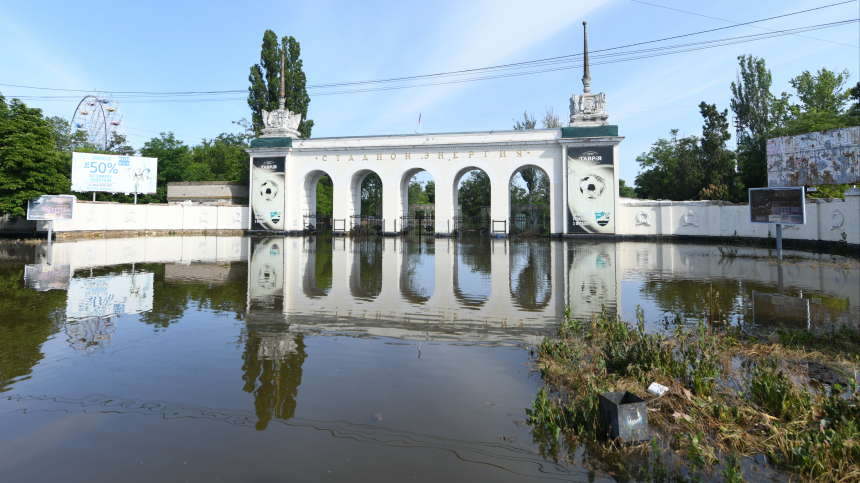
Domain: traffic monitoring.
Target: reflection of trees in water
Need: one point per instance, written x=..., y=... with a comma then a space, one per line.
x=414, y=279
x=531, y=274
x=473, y=257
x=689, y=298
x=29, y=319
x=272, y=371
x=319, y=266
x=366, y=279
x=170, y=300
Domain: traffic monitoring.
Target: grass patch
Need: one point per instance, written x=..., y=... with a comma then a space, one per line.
x=731, y=395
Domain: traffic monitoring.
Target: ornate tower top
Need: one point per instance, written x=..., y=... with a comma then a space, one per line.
x=283, y=122
x=587, y=109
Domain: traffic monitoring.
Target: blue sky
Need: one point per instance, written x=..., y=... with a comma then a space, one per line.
x=178, y=46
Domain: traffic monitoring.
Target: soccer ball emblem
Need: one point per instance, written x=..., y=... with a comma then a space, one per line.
x=269, y=190
x=592, y=186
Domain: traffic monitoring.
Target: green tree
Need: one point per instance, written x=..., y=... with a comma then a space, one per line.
x=550, y=119
x=430, y=190
x=717, y=161
x=474, y=193
x=224, y=156
x=265, y=82
x=371, y=195
x=61, y=133
x=671, y=169
x=529, y=122
x=174, y=159
x=29, y=163
x=416, y=193
x=325, y=194
x=823, y=92
x=757, y=111
x=625, y=191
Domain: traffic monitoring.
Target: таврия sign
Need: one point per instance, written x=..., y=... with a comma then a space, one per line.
x=785, y=206
x=114, y=174
x=51, y=207
x=590, y=190
x=268, y=193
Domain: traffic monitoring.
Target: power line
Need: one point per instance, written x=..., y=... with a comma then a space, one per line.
x=550, y=66
x=532, y=63
x=732, y=21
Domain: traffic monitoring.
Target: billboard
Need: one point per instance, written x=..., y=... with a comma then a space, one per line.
x=51, y=207
x=267, y=193
x=129, y=293
x=590, y=190
x=816, y=158
x=47, y=277
x=785, y=206
x=114, y=174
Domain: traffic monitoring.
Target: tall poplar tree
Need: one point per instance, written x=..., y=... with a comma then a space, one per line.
x=265, y=82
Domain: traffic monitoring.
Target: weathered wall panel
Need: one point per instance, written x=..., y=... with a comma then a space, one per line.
x=816, y=158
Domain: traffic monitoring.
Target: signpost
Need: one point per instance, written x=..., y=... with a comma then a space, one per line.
x=49, y=208
x=779, y=206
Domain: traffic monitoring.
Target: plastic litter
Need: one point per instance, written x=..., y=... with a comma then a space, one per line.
x=657, y=389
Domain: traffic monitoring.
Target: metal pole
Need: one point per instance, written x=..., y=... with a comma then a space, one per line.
x=50, y=235
x=135, y=198
x=94, y=195
x=779, y=241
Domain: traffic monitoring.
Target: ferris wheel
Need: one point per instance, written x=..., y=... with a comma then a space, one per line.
x=98, y=117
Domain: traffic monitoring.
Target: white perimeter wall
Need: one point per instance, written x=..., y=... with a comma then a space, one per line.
x=826, y=220
x=90, y=216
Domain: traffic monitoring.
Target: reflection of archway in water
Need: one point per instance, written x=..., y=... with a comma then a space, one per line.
x=272, y=370
x=317, y=279
x=531, y=274
x=365, y=281
x=418, y=273
x=473, y=282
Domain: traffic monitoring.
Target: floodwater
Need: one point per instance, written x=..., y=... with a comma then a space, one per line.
x=317, y=359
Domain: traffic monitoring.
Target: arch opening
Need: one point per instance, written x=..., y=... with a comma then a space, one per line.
x=529, y=197
x=366, y=203
x=417, y=202
x=318, y=202
x=472, y=200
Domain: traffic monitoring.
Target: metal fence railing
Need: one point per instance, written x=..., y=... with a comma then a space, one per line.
x=522, y=225
x=418, y=225
x=366, y=225
x=316, y=223
x=471, y=226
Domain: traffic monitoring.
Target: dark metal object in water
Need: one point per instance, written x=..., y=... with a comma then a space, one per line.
x=625, y=416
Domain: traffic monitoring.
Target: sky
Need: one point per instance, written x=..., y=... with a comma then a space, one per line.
x=160, y=46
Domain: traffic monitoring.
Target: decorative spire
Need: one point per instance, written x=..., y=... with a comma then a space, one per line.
x=586, y=77
x=281, y=98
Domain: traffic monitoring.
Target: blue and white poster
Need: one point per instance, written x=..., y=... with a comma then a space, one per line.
x=113, y=174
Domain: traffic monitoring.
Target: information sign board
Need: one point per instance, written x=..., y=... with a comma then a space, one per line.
x=51, y=207
x=785, y=206
x=113, y=174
